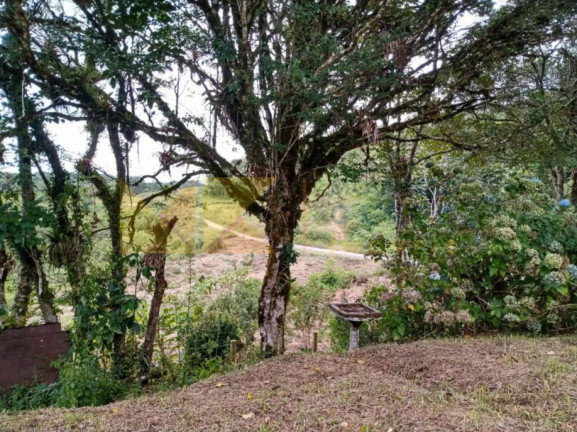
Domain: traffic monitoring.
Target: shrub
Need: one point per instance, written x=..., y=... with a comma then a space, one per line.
x=499, y=259
x=241, y=305
x=83, y=381
x=308, y=308
x=21, y=398
x=318, y=234
x=208, y=343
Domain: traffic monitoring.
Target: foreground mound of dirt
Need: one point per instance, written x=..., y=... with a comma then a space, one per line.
x=499, y=384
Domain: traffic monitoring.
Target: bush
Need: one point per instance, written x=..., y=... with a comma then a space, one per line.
x=22, y=398
x=209, y=343
x=83, y=381
x=319, y=235
x=499, y=259
x=241, y=305
x=308, y=308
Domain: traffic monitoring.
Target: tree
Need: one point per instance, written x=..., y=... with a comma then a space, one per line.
x=28, y=246
x=155, y=259
x=295, y=84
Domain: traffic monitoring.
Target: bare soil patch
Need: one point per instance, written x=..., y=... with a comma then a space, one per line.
x=497, y=384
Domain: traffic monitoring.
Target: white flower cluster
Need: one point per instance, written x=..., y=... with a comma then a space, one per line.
x=515, y=246
x=510, y=301
x=511, y=318
x=505, y=234
x=467, y=285
x=552, y=318
x=526, y=229
x=458, y=292
x=504, y=221
x=435, y=314
x=528, y=303
x=553, y=261
x=448, y=318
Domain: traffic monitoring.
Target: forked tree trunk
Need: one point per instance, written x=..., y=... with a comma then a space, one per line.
x=276, y=286
x=32, y=275
x=45, y=294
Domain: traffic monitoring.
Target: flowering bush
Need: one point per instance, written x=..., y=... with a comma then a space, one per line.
x=508, y=263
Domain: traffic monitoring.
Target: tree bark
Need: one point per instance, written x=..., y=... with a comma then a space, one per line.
x=156, y=258
x=574, y=187
x=436, y=202
x=32, y=275
x=31, y=272
x=6, y=265
x=276, y=286
x=45, y=295
x=558, y=177
x=22, y=297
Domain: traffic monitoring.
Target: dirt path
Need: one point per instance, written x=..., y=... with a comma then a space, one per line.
x=300, y=248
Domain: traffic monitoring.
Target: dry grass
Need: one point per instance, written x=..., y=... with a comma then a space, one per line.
x=500, y=384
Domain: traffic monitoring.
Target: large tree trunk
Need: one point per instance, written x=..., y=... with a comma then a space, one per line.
x=558, y=177
x=6, y=266
x=31, y=272
x=22, y=297
x=276, y=286
x=45, y=295
x=156, y=258
x=32, y=275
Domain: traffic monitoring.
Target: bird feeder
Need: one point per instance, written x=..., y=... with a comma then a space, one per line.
x=355, y=314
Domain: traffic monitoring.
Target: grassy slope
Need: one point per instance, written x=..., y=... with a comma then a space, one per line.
x=499, y=384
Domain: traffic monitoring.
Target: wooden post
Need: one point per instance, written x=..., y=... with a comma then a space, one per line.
x=315, y=341
x=233, y=350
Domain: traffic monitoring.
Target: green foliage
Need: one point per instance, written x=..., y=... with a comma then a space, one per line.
x=22, y=398
x=499, y=258
x=101, y=314
x=319, y=235
x=83, y=381
x=208, y=344
x=308, y=308
x=240, y=303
